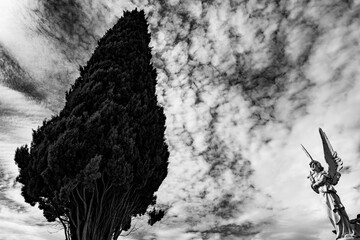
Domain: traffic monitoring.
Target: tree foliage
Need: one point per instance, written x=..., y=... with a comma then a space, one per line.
x=99, y=161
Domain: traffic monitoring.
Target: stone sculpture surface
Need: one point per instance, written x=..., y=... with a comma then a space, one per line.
x=323, y=182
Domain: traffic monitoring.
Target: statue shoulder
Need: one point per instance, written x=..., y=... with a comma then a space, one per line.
x=326, y=175
x=323, y=175
x=319, y=174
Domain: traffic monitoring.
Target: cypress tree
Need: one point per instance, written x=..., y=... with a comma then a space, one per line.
x=99, y=162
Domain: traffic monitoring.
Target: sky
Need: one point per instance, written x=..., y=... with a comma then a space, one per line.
x=242, y=83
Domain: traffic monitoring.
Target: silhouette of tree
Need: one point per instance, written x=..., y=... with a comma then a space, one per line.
x=98, y=162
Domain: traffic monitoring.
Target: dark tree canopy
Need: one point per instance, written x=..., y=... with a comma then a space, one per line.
x=100, y=160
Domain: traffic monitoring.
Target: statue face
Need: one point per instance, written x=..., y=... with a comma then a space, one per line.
x=315, y=166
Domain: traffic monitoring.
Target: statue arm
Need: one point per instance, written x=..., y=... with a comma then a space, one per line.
x=320, y=182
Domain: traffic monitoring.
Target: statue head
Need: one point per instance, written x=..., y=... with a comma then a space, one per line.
x=316, y=166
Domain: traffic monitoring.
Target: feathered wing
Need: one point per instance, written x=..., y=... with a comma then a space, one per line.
x=334, y=162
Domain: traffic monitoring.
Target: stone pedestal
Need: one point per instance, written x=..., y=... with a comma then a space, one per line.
x=347, y=238
x=356, y=228
x=355, y=224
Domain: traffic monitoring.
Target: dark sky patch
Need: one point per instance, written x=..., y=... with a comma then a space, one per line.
x=346, y=169
x=227, y=207
x=13, y=76
x=230, y=231
x=73, y=26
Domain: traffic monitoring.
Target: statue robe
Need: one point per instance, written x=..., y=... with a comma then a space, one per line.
x=335, y=209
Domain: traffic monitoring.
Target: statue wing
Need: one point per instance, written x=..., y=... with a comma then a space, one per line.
x=334, y=162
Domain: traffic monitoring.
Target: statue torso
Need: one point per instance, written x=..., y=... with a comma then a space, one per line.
x=325, y=187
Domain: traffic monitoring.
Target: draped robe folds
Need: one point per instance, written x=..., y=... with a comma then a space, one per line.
x=335, y=209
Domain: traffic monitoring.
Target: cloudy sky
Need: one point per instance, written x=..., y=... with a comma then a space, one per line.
x=243, y=84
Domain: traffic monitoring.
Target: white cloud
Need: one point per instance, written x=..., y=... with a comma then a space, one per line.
x=25, y=223
x=310, y=94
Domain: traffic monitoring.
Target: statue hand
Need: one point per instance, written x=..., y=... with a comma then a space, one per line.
x=315, y=188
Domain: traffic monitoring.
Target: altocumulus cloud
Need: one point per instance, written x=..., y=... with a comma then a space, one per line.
x=243, y=83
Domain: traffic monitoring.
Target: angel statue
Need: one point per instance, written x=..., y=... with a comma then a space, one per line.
x=323, y=183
